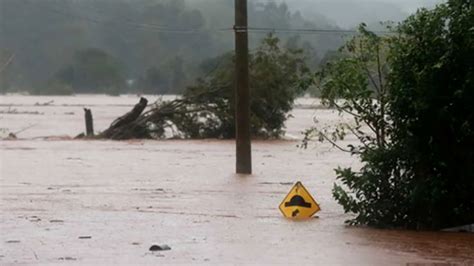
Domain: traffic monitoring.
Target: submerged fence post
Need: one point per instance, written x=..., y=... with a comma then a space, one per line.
x=89, y=122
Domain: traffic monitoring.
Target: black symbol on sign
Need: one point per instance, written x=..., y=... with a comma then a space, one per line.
x=295, y=213
x=297, y=200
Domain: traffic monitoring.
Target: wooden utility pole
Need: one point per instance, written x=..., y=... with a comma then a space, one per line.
x=242, y=91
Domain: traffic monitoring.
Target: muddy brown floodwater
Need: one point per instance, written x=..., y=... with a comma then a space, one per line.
x=105, y=202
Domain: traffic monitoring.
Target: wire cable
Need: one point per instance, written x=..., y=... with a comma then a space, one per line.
x=167, y=29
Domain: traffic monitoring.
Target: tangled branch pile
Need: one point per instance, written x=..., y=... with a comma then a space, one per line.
x=181, y=116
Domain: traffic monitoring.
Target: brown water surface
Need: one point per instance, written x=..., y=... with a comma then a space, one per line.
x=107, y=202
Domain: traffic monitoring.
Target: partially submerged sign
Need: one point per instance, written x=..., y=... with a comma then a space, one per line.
x=299, y=203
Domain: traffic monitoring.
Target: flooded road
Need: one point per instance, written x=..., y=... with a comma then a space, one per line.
x=106, y=202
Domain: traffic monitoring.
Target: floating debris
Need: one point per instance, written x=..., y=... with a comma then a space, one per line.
x=67, y=258
x=160, y=248
x=45, y=103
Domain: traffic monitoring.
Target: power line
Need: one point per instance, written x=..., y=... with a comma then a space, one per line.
x=168, y=29
x=142, y=26
x=309, y=31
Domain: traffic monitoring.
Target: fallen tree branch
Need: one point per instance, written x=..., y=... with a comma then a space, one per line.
x=124, y=126
x=182, y=114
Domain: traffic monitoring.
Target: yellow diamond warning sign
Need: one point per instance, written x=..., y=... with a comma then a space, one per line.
x=299, y=203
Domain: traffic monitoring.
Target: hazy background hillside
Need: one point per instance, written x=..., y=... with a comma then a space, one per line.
x=156, y=46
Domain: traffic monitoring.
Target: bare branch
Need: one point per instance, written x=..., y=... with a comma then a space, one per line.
x=333, y=143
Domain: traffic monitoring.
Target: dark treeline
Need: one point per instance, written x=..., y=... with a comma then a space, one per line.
x=143, y=46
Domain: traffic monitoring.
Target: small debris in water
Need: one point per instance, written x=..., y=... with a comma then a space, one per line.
x=34, y=219
x=160, y=248
x=135, y=243
x=85, y=237
x=274, y=183
x=67, y=258
x=56, y=221
x=13, y=241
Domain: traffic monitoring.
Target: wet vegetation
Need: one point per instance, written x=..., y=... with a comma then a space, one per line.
x=206, y=110
x=414, y=92
x=139, y=46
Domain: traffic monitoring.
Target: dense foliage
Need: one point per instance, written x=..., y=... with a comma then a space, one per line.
x=418, y=163
x=275, y=81
x=159, y=43
x=432, y=88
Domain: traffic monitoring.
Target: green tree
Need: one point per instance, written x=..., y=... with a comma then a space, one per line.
x=354, y=82
x=432, y=88
x=417, y=159
x=275, y=81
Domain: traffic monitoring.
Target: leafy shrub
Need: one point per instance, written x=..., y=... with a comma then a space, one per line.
x=432, y=88
x=420, y=174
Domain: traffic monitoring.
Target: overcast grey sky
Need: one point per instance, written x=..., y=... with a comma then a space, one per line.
x=349, y=13
x=405, y=5
x=343, y=13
